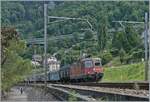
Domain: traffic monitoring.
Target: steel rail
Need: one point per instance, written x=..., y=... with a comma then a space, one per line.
x=122, y=85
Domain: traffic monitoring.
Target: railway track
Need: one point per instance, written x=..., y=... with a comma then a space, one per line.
x=106, y=94
x=144, y=85
x=102, y=91
x=62, y=94
x=121, y=85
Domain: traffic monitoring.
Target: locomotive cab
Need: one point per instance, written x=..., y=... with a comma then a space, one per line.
x=92, y=68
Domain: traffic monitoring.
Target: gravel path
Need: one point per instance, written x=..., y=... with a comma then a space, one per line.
x=37, y=94
x=15, y=95
x=29, y=94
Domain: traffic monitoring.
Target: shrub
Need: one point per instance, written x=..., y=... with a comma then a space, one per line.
x=137, y=55
x=122, y=55
x=106, y=57
x=114, y=52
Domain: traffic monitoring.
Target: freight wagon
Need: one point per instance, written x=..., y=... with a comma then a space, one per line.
x=85, y=69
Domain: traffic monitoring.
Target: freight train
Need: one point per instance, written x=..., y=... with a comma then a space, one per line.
x=85, y=69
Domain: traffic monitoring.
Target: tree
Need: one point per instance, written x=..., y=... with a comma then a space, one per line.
x=102, y=31
x=106, y=57
x=120, y=41
x=88, y=35
x=122, y=55
x=14, y=67
x=132, y=36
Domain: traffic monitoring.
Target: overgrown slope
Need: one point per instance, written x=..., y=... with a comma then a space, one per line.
x=132, y=72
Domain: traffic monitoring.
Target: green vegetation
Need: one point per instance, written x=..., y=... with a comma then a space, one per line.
x=104, y=98
x=131, y=72
x=106, y=39
x=27, y=17
x=72, y=96
x=14, y=66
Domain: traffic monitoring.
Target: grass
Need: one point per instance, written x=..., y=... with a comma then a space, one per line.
x=72, y=97
x=132, y=72
x=114, y=62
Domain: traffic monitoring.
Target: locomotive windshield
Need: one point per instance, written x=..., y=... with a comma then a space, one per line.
x=88, y=64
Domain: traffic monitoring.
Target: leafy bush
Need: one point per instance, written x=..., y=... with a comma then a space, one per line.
x=106, y=57
x=128, y=59
x=122, y=55
x=114, y=52
x=137, y=55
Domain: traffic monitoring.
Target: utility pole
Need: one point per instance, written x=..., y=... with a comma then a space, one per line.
x=146, y=46
x=35, y=63
x=149, y=47
x=45, y=43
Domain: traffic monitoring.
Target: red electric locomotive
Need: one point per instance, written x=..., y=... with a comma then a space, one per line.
x=87, y=69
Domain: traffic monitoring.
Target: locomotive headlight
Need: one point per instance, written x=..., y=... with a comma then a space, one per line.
x=94, y=69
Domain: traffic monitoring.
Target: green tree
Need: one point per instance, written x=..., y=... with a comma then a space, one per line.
x=120, y=41
x=106, y=57
x=122, y=55
x=102, y=31
x=132, y=36
x=88, y=35
x=14, y=67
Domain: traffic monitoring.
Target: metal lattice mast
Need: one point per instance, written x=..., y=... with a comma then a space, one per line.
x=146, y=46
x=45, y=42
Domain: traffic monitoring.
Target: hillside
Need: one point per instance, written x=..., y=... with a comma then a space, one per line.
x=27, y=17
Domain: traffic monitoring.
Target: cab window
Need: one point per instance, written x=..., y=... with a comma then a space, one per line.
x=98, y=63
x=88, y=64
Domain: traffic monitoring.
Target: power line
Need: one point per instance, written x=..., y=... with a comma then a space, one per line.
x=71, y=18
x=131, y=22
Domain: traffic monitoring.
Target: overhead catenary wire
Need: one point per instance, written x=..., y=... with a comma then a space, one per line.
x=71, y=18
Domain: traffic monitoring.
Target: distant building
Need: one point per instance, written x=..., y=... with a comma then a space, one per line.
x=37, y=58
x=35, y=63
x=53, y=64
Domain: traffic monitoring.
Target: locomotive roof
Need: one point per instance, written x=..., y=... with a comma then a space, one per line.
x=64, y=67
x=84, y=59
